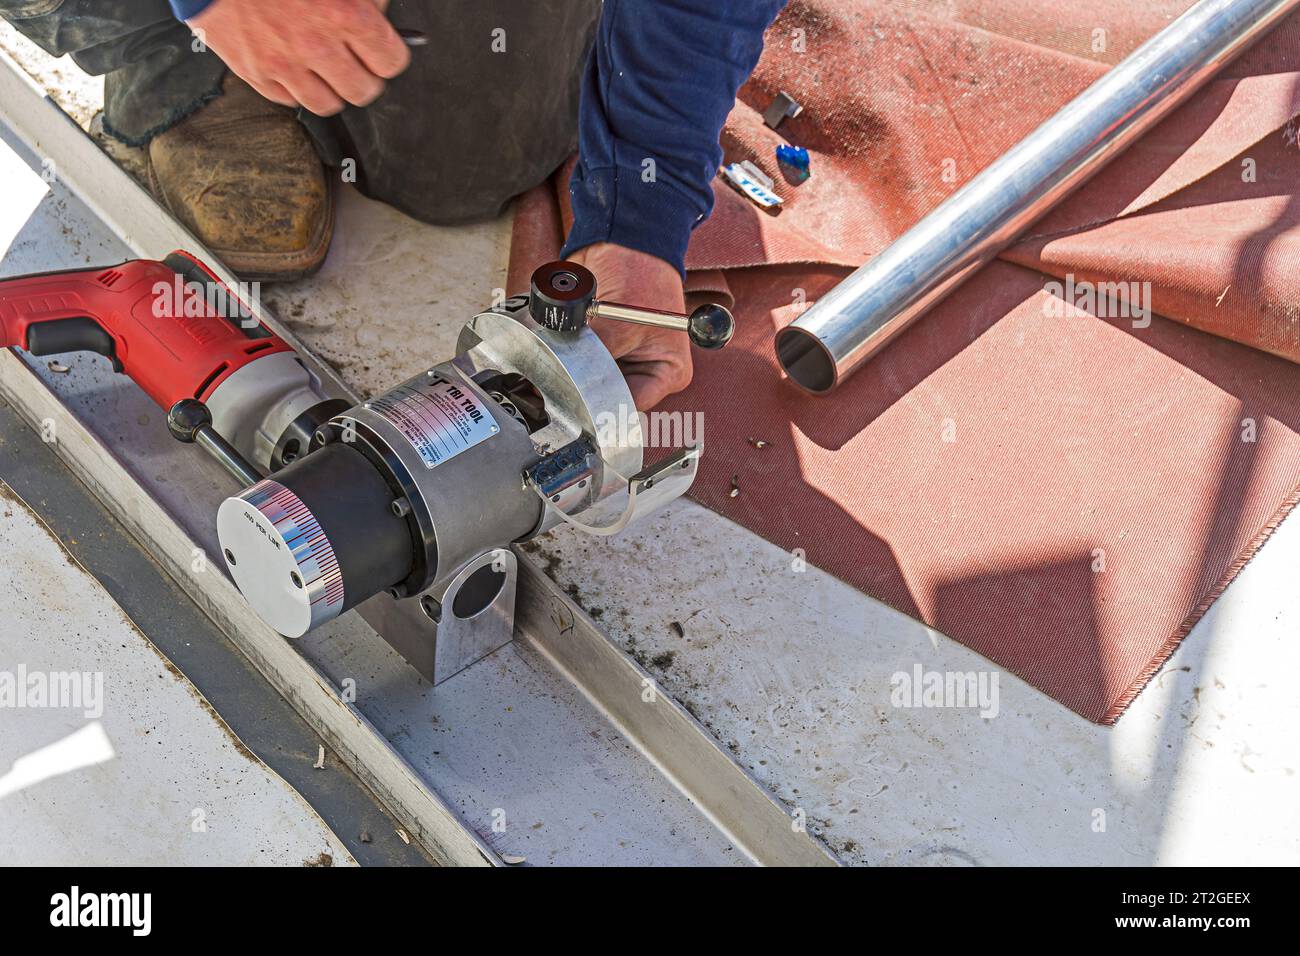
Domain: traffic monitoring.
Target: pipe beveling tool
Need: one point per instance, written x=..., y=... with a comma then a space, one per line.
x=419, y=492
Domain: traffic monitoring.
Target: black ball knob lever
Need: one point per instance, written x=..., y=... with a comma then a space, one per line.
x=711, y=326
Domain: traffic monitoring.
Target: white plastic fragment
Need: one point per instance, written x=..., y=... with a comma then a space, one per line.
x=752, y=182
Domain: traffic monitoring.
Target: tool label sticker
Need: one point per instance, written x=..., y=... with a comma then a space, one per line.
x=439, y=418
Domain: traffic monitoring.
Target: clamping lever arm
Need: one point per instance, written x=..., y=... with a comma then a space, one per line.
x=563, y=299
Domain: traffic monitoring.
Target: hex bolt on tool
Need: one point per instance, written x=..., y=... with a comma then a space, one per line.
x=418, y=493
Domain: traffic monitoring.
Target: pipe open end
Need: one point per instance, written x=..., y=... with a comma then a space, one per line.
x=805, y=359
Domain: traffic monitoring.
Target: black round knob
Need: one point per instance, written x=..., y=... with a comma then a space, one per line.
x=561, y=294
x=186, y=418
x=711, y=326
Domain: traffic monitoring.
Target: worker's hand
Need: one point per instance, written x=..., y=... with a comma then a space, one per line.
x=312, y=53
x=656, y=362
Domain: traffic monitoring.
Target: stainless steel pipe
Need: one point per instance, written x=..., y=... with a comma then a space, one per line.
x=858, y=317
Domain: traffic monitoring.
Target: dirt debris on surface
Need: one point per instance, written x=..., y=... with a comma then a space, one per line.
x=81, y=96
x=664, y=661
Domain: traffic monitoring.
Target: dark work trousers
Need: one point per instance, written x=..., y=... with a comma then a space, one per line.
x=486, y=110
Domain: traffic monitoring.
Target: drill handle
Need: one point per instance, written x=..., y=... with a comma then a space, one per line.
x=172, y=326
x=76, y=334
x=75, y=310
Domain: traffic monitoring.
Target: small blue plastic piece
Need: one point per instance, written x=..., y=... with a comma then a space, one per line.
x=795, y=156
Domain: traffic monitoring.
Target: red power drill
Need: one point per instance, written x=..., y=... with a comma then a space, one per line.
x=226, y=381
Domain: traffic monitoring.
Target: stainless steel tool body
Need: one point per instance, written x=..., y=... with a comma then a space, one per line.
x=420, y=492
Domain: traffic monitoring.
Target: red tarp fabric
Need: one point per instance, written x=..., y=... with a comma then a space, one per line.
x=1064, y=493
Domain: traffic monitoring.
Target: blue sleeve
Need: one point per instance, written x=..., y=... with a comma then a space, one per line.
x=185, y=9
x=659, y=84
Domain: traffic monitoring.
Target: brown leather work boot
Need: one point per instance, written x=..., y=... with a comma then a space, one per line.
x=241, y=173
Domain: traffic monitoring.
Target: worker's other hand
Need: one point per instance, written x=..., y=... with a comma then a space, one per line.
x=656, y=362
x=317, y=54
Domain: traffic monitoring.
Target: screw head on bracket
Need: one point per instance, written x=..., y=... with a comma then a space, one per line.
x=561, y=294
